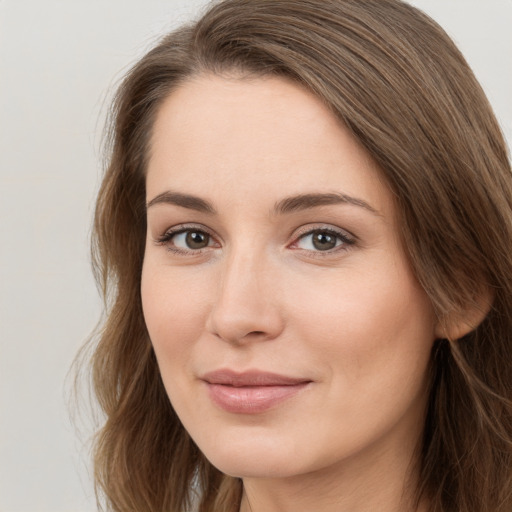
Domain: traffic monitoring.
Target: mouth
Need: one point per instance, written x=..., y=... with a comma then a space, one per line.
x=251, y=392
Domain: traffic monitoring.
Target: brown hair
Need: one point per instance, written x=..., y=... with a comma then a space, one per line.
x=400, y=85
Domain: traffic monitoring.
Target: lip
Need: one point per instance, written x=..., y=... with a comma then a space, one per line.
x=251, y=392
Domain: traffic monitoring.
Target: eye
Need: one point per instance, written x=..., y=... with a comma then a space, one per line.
x=184, y=240
x=191, y=239
x=323, y=240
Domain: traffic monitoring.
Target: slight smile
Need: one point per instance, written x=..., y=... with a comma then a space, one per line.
x=251, y=392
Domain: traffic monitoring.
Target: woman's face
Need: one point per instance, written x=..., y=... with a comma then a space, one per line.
x=290, y=331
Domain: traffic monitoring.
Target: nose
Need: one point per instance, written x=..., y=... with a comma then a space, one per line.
x=246, y=307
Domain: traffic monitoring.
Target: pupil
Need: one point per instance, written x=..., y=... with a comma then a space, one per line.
x=324, y=241
x=197, y=240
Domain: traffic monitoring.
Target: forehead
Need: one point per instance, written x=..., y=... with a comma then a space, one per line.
x=233, y=137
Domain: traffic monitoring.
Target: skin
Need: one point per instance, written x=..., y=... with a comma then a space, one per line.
x=350, y=319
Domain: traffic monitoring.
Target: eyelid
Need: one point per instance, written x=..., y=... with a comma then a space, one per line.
x=319, y=226
x=180, y=228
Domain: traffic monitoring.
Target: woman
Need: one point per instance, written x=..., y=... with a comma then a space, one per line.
x=304, y=236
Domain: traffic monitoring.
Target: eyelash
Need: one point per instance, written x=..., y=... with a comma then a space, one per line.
x=167, y=237
x=347, y=240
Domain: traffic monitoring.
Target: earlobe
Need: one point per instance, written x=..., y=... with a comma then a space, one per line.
x=462, y=321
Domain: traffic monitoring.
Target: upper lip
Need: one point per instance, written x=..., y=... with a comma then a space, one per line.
x=228, y=377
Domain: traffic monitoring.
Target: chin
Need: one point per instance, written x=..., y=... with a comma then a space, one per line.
x=261, y=467
x=255, y=458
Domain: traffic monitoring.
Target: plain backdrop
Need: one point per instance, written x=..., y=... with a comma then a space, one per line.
x=59, y=63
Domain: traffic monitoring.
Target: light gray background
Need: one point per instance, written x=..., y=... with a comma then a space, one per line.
x=59, y=63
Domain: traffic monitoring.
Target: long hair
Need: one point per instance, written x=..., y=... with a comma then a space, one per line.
x=403, y=89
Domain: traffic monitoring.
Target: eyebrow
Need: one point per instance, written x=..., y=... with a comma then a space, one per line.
x=183, y=200
x=306, y=201
x=287, y=205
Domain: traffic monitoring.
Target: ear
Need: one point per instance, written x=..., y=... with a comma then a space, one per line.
x=460, y=322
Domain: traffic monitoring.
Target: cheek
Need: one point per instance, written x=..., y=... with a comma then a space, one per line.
x=174, y=307
x=372, y=336
x=370, y=326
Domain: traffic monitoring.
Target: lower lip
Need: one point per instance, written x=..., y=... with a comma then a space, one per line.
x=252, y=399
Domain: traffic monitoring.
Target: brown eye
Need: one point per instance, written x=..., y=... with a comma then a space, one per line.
x=196, y=239
x=187, y=240
x=323, y=240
